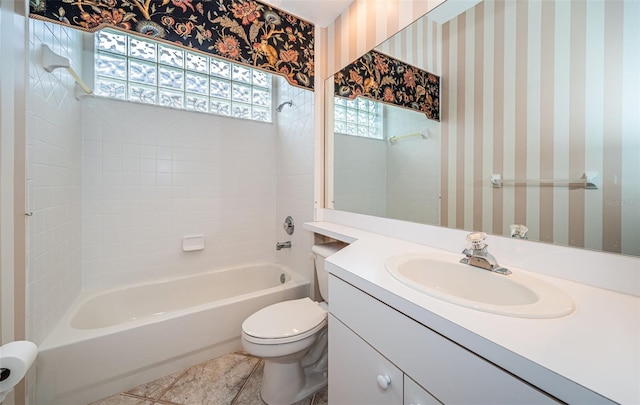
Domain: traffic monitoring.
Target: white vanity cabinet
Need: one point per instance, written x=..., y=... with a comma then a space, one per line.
x=416, y=395
x=363, y=375
x=367, y=377
x=368, y=339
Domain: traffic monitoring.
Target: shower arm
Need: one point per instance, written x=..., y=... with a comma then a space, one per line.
x=281, y=106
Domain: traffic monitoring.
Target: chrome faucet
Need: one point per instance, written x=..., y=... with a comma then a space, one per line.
x=478, y=256
x=281, y=245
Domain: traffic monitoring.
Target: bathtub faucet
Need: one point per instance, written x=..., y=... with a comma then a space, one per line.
x=281, y=245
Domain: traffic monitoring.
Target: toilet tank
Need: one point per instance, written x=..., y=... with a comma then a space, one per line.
x=322, y=276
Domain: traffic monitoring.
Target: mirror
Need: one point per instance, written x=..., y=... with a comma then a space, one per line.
x=539, y=126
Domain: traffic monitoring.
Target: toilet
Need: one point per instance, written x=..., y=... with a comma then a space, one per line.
x=291, y=337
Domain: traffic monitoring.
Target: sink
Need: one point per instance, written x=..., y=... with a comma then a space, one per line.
x=443, y=277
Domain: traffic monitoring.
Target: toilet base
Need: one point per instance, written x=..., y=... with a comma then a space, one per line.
x=298, y=385
x=285, y=382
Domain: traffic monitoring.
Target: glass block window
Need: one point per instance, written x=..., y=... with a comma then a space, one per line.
x=359, y=117
x=145, y=71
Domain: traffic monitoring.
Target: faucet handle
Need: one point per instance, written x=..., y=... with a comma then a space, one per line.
x=477, y=240
x=518, y=231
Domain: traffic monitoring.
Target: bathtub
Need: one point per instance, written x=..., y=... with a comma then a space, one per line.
x=111, y=341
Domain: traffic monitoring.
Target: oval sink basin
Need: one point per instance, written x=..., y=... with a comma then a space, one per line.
x=516, y=294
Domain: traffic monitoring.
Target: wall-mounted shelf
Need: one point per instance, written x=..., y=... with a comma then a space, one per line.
x=589, y=181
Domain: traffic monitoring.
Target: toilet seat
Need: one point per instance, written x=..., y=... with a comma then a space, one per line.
x=285, y=322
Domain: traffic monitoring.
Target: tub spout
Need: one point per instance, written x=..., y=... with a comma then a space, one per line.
x=281, y=245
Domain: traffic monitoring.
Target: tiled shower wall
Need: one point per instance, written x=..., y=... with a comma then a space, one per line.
x=54, y=143
x=152, y=175
x=360, y=175
x=374, y=177
x=413, y=167
x=295, y=167
x=114, y=186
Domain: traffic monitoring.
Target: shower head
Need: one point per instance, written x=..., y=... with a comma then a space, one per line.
x=281, y=106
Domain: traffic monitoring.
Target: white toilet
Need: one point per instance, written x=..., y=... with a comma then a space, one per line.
x=291, y=337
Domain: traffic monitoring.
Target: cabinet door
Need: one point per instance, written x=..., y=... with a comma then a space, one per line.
x=358, y=374
x=416, y=395
x=450, y=372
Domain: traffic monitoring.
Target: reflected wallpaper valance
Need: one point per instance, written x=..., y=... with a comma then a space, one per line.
x=383, y=78
x=244, y=31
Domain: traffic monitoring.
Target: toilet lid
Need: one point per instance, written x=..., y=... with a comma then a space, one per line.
x=285, y=319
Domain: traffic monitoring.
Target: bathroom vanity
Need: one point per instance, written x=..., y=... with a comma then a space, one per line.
x=364, y=332
x=391, y=344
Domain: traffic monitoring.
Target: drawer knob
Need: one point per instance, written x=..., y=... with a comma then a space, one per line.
x=384, y=381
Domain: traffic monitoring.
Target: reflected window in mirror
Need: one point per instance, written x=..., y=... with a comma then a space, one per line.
x=358, y=117
x=394, y=175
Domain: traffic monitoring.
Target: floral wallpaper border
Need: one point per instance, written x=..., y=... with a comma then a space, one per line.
x=382, y=78
x=244, y=31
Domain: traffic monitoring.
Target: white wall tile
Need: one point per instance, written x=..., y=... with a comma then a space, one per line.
x=175, y=173
x=295, y=175
x=54, y=156
x=414, y=164
x=360, y=174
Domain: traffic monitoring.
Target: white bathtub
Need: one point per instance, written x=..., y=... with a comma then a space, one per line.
x=114, y=340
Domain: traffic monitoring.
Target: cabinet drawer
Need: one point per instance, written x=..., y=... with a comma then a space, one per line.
x=448, y=371
x=355, y=368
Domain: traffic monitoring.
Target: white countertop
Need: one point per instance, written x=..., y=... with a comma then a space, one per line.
x=595, y=349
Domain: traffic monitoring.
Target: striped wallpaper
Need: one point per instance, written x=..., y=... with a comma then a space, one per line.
x=420, y=44
x=13, y=180
x=544, y=89
x=537, y=89
x=367, y=23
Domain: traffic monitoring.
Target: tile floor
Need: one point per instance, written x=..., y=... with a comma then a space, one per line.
x=232, y=379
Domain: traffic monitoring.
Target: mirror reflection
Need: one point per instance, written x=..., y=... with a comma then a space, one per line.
x=394, y=175
x=539, y=93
